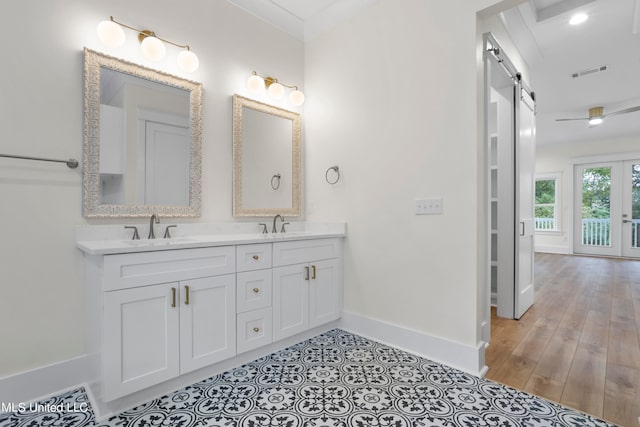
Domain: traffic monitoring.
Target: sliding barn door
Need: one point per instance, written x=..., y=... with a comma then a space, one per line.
x=525, y=152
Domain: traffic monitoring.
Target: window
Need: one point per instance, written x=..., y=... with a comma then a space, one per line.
x=547, y=207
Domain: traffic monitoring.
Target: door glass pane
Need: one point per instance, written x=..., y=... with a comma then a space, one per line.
x=635, y=205
x=596, y=206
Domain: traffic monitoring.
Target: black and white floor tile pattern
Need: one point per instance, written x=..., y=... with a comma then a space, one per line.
x=336, y=379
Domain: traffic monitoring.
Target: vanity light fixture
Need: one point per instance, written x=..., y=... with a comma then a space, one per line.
x=257, y=83
x=152, y=47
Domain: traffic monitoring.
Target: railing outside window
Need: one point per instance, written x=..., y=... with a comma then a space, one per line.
x=595, y=232
x=544, y=224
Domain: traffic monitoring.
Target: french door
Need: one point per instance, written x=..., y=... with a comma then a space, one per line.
x=607, y=209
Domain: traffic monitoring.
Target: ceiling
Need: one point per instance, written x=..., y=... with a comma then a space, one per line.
x=303, y=19
x=552, y=48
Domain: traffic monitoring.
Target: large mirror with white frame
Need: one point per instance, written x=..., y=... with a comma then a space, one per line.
x=142, y=140
x=266, y=159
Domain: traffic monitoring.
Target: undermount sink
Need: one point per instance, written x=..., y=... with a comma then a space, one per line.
x=160, y=242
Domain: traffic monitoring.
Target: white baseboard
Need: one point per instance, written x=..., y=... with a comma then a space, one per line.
x=42, y=382
x=466, y=358
x=553, y=249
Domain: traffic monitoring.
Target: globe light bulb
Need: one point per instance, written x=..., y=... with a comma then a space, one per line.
x=111, y=34
x=188, y=61
x=152, y=48
x=296, y=98
x=276, y=91
x=255, y=84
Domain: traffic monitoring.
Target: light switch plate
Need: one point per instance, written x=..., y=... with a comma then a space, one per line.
x=431, y=206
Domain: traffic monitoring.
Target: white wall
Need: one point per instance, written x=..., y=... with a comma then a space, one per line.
x=392, y=100
x=41, y=274
x=551, y=158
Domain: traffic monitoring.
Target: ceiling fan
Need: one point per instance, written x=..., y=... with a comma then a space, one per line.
x=596, y=115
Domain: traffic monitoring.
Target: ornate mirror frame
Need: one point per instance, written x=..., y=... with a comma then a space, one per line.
x=93, y=62
x=239, y=210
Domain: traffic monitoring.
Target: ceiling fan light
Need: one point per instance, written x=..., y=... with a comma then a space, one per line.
x=595, y=121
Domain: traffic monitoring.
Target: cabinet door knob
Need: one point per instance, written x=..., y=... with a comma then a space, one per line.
x=186, y=298
x=306, y=273
x=313, y=269
x=173, y=297
x=256, y=329
x=256, y=257
x=256, y=290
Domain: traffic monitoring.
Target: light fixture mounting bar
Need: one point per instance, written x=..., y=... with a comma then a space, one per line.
x=268, y=81
x=142, y=34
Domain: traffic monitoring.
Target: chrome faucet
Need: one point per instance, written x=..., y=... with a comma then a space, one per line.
x=156, y=219
x=275, y=219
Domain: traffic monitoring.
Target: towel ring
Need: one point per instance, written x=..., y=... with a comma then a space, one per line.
x=277, y=184
x=336, y=169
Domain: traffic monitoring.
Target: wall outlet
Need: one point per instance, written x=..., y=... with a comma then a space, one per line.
x=429, y=206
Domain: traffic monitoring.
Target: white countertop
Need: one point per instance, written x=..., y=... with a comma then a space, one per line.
x=114, y=239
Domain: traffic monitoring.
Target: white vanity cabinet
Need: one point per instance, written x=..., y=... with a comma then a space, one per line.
x=154, y=329
x=307, y=285
x=169, y=311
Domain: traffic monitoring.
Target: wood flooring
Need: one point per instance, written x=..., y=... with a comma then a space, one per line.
x=579, y=343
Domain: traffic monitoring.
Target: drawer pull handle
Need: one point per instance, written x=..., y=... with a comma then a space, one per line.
x=256, y=257
x=256, y=329
x=256, y=290
x=313, y=268
x=306, y=275
x=173, y=297
x=186, y=298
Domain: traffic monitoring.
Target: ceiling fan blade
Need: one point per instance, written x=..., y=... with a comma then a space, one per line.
x=626, y=110
x=567, y=120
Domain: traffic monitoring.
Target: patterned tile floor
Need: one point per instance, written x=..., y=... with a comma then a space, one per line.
x=336, y=379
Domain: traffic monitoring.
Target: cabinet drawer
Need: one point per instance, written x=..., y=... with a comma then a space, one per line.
x=302, y=251
x=253, y=257
x=145, y=268
x=253, y=290
x=254, y=329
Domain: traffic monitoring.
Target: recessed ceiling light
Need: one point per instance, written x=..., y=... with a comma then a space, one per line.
x=578, y=18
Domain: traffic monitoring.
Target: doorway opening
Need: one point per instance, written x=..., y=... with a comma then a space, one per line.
x=607, y=208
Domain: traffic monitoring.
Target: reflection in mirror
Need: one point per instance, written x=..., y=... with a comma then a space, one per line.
x=266, y=150
x=142, y=140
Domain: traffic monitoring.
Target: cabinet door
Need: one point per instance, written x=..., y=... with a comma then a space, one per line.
x=140, y=339
x=325, y=292
x=207, y=321
x=290, y=301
